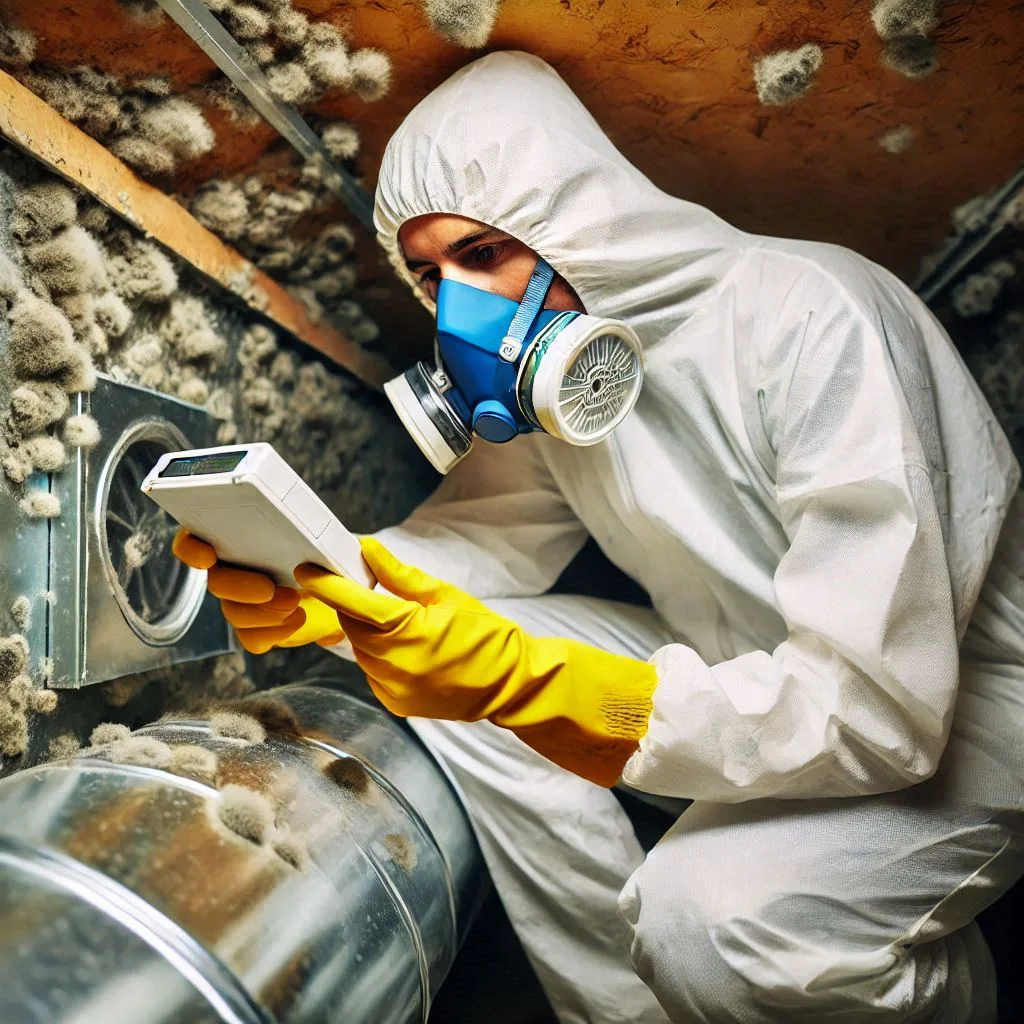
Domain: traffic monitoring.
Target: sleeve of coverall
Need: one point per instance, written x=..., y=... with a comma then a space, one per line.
x=497, y=526
x=858, y=699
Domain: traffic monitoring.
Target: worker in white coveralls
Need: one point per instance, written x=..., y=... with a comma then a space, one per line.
x=824, y=512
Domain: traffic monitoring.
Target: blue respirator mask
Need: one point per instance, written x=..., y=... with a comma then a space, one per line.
x=506, y=368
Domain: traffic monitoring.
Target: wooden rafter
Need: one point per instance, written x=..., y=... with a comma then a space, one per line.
x=34, y=126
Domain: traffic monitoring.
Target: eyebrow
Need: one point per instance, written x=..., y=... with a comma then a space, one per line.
x=454, y=248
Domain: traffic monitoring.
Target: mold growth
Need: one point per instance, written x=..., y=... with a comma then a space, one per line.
x=466, y=23
x=401, y=850
x=232, y=725
x=291, y=848
x=349, y=775
x=194, y=761
x=977, y=293
x=898, y=139
x=62, y=747
x=906, y=27
x=787, y=75
x=246, y=813
x=109, y=732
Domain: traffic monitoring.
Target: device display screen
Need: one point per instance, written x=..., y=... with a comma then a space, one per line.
x=200, y=465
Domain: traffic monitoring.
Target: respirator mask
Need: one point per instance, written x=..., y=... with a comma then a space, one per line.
x=505, y=368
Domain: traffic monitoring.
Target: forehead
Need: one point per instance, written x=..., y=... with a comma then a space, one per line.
x=433, y=232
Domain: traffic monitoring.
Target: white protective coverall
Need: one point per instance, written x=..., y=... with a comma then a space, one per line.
x=811, y=488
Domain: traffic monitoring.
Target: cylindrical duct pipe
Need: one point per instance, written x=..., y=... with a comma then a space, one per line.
x=200, y=872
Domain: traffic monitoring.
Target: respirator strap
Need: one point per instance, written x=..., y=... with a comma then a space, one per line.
x=533, y=302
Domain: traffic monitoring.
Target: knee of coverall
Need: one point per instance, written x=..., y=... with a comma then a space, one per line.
x=710, y=956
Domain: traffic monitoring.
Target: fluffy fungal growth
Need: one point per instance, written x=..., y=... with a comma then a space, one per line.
x=291, y=27
x=80, y=375
x=21, y=612
x=62, y=747
x=194, y=761
x=246, y=813
x=46, y=452
x=291, y=848
x=911, y=56
x=119, y=692
x=16, y=464
x=41, y=341
x=142, y=273
x=13, y=657
x=290, y=83
x=898, y=139
x=69, y=262
x=466, y=23
x=194, y=390
x=40, y=505
x=43, y=702
x=109, y=732
x=787, y=75
x=187, y=328
x=144, y=751
x=178, y=126
x=247, y=22
x=222, y=207
x=17, y=47
x=19, y=692
x=894, y=18
x=977, y=294
x=349, y=775
x=41, y=210
x=341, y=140
x=232, y=725
x=149, y=158
x=81, y=431
x=13, y=730
x=112, y=314
x=371, y=74
x=37, y=404
x=10, y=278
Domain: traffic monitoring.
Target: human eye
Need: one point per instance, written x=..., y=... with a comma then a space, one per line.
x=486, y=255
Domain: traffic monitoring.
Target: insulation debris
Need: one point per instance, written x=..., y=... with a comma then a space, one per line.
x=787, y=75
x=246, y=813
x=466, y=23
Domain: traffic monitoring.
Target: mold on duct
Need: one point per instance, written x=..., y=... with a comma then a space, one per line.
x=911, y=56
x=466, y=23
x=787, y=75
x=246, y=813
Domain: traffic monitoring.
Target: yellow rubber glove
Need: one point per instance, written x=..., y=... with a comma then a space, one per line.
x=264, y=615
x=433, y=651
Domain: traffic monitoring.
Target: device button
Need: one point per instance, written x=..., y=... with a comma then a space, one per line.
x=310, y=510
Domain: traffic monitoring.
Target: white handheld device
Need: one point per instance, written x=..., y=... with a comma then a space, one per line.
x=255, y=510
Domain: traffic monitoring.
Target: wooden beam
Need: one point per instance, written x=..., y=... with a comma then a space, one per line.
x=34, y=126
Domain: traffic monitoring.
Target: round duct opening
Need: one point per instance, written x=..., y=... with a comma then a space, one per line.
x=158, y=596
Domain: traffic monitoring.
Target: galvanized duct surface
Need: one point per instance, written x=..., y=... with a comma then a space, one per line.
x=337, y=890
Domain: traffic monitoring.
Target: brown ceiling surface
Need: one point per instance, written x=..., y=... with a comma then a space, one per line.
x=671, y=82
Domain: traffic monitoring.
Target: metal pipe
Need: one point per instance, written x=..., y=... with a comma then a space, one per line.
x=127, y=891
x=222, y=48
x=961, y=251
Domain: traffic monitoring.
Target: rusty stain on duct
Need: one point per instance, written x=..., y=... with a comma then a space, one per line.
x=32, y=125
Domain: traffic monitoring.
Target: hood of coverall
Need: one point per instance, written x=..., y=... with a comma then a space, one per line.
x=506, y=142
